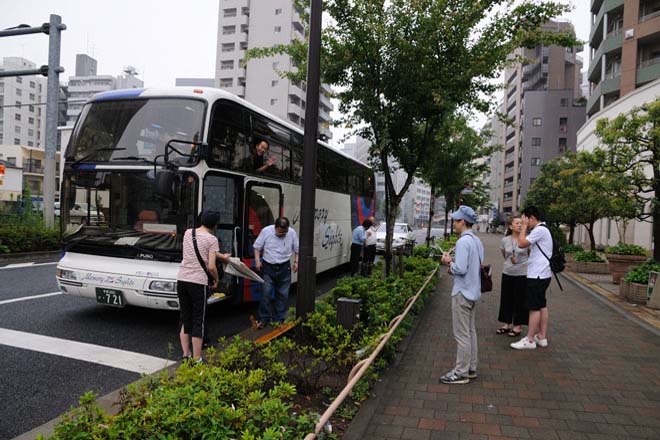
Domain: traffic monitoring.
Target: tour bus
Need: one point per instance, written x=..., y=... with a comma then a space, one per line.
x=142, y=164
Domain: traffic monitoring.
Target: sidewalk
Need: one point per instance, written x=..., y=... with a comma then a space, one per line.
x=598, y=379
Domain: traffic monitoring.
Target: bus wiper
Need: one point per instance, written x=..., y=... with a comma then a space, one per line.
x=141, y=159
x=92, y=154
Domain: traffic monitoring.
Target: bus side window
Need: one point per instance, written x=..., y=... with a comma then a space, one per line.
x=228, y=138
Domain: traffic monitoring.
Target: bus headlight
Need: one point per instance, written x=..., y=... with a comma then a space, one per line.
x=67, y=274
x=162, y=286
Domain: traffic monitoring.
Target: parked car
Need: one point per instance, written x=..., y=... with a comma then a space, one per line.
x=402, y=236
x=78, y=214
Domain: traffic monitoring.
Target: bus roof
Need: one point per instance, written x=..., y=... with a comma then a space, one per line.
x=208, y=94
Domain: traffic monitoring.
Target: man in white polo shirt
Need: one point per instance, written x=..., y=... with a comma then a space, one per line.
x=273, y=249
x=539, y=276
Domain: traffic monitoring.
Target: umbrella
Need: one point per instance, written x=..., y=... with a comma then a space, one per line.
x=237, y=268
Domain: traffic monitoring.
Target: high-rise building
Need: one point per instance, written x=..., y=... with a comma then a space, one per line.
x=624, y=73
x=23, y=123
x=543, y=112
x=81, y=88
x=624, y=49
x=244, y=24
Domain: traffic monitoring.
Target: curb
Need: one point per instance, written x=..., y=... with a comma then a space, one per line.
x=634, y=313
x=29, y=256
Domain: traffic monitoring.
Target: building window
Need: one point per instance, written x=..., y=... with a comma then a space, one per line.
x=545, y=60
x=32, y=97
x=17, y=129
x=226, y=64
x=278, y=11
x=276, y=65
x=19, y=79
x=273, y=101
x=563, y=122
x=17, y=117
x=30, y=144
x=226, y=82
x=30, y=132
x=245, y=10
x=536, y=122
x=11, y=161
x=32, y=84
x=243, y=45
x=231, y=12
x=17, y=141
x=563, y=102
x=274, y=83
x=536, y=142
x=228, y=30
x=277, y=29
x=31, y=120
x=19, y=103
x=563, y=144
x=31, y=108
x=228, y=47
x=536, y=161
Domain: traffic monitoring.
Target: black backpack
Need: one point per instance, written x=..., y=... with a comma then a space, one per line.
x=557, y=259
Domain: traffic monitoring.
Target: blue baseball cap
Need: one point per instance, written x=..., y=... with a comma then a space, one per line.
x=465, y=213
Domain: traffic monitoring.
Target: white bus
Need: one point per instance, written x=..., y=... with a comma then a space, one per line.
x=145, y=162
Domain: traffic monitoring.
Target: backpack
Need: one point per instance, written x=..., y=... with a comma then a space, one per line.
x=557, y=260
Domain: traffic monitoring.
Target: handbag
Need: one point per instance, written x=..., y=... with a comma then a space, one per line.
x=208, y=273
x=486, y=274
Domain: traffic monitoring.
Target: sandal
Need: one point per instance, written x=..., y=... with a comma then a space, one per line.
x=513, y=334
x=503, y=330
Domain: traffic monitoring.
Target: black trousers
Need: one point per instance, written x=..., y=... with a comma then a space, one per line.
x=192, y=307
x=356, y=254
x=368, y=259
x=513, y=300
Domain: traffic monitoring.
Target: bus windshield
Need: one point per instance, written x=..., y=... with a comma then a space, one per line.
x=126, y=214
x=135, y=129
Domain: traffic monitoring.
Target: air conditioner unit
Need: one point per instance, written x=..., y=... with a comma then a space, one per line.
x=630, y=33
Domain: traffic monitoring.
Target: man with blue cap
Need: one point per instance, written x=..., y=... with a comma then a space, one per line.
x=466, y=269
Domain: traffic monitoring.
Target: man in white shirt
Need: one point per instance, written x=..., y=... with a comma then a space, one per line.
x=539, y=276
x=273, y=249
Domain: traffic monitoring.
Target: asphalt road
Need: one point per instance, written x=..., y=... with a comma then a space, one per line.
x=36, y=386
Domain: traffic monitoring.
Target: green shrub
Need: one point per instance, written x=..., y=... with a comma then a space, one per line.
x=640, y=274
x=626, y=249
x=572, y=248
x=29, y=238
x=588, y=257
x=422, y=251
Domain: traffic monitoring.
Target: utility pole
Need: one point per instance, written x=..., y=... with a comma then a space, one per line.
x=307, y=268
x=54, y=30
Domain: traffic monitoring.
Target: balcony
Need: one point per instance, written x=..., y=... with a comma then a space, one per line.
x=612, y=43
x=648, y=71
x=33, y=169
x=606, y=6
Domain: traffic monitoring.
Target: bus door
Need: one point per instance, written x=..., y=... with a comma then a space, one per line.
x=264, y=202
x=223, y=193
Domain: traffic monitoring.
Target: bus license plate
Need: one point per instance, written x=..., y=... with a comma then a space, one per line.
x=110, y=297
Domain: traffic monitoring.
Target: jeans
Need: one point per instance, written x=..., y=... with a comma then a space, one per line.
x=275, y=294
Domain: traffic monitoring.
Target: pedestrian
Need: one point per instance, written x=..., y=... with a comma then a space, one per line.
x=539, y=275
x=273, y=249
x=193, y=282
x=513, y=302
x=466, y=269
x=370, y=248
x=358, y=242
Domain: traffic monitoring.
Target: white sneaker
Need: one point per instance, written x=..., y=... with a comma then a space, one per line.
x=540, y=342
x=524, y=344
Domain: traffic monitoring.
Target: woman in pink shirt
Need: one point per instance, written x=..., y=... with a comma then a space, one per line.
x=193, y=282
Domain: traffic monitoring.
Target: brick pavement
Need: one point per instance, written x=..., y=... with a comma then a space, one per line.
x=598, y=379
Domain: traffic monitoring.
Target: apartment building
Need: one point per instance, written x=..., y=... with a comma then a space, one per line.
x=82, y=87
x=543, y=107
x=244, y=24
x=624, y=49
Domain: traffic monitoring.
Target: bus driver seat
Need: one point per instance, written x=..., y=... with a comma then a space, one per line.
x=146, y=216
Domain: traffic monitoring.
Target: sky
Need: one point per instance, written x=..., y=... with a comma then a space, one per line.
x=162, y=39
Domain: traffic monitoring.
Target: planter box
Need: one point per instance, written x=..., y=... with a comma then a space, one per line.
x=633, y=292
x=620, y=264
x=570, y=263
x=588, y=267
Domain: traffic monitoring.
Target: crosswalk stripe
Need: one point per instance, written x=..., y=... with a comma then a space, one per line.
x=109, y=357
x=26, y=298
x=32, y=264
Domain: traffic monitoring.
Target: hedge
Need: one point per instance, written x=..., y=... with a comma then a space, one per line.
x=28, y=238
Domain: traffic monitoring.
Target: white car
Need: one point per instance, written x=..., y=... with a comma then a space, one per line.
x=78, y=214
x=403, y=235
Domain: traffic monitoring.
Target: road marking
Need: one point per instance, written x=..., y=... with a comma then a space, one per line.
x=26, y=298
x=109, y=357
x=32, y=264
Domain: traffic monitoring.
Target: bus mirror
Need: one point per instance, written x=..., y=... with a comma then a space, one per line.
x=164, y=180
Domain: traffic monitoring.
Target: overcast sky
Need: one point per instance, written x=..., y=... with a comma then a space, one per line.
x=162, y=39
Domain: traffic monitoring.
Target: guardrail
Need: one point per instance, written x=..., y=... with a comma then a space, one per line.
x=361, y=367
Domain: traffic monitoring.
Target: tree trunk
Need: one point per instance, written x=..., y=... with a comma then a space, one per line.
x=444, y=235
x=656, y=211
x=571, y=233
x=431, y=205
x=592, y=240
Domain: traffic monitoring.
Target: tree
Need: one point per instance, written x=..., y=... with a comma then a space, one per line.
x=632, y=142
x=404, y=67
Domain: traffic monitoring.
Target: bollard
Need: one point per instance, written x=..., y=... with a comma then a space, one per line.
x=400, y=265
